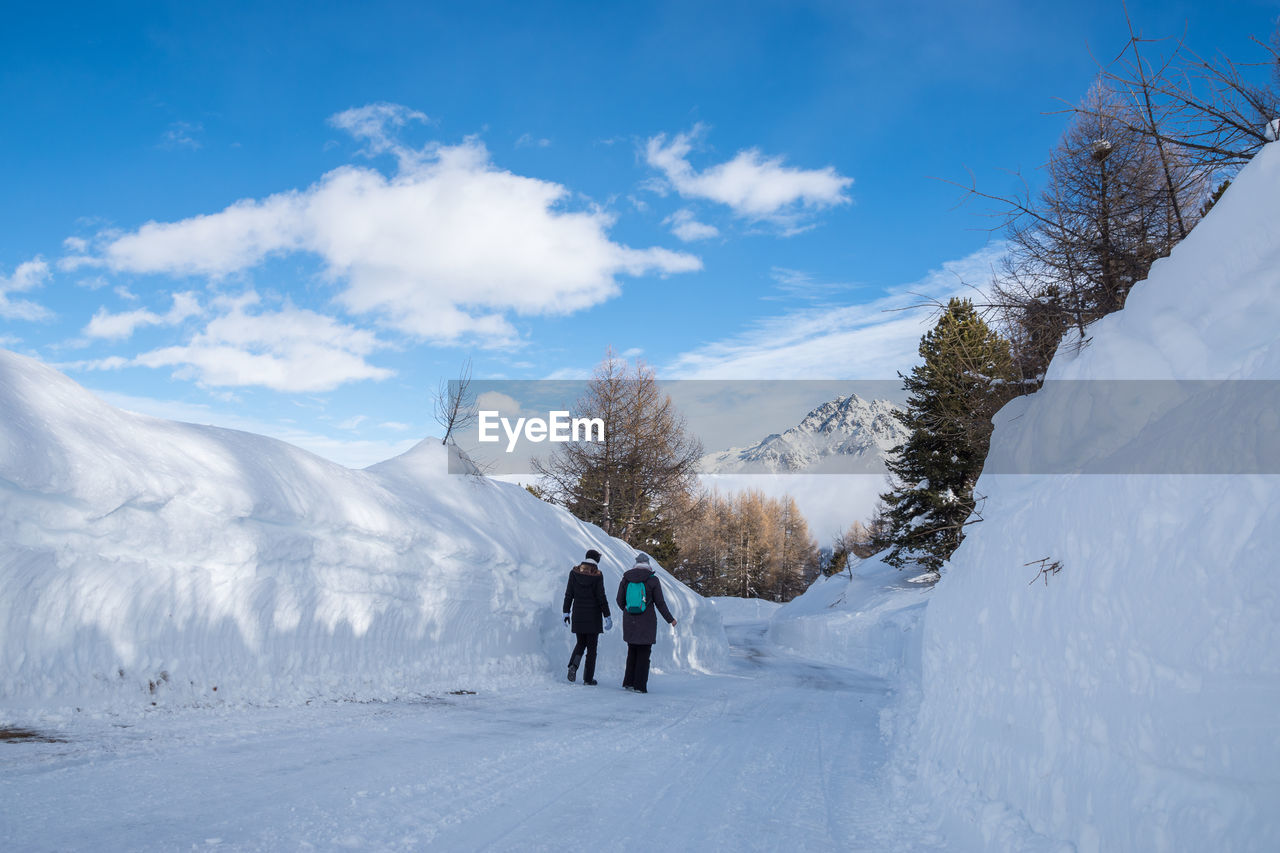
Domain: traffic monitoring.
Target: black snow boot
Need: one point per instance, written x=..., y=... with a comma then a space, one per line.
x=590, y=682
x=573, y=667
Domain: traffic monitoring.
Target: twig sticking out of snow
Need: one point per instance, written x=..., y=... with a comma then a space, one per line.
x=1046, y=568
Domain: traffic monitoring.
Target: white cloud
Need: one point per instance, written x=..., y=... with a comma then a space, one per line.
x=874, y=340
x=569, y=373
x=447, y=247
x=76, y=244
x=120, y=326
x=504, y=404
x=753, y=185
x=291, y=350
x=113, y=362
x=687, y=228
x=28, y=276
x=378, y=125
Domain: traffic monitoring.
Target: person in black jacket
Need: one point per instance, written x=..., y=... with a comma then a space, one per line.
x=640, y=630
x=585, y=596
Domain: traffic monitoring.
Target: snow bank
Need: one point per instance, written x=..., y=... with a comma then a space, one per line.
x=870, y=621
x=143, y=560
x=1127, y=702
x=736, y=611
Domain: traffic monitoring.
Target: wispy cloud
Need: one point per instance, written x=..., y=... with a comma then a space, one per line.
x=874, y=340
x=379, y=126
x=447, y=247
x=687, y=228
x=28, y=276
x=753, y=185
x=122, y=325
x=528, y=140
x=798, y=284
x=290, y=349
x=182, y=134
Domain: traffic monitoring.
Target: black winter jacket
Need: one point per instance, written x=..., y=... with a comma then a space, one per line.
x=641, y=629
x=585, y=593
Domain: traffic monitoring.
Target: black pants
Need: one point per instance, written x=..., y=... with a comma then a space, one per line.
x=637, y=674
x=587, y=642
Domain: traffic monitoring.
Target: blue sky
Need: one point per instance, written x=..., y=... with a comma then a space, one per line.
x=298, y=218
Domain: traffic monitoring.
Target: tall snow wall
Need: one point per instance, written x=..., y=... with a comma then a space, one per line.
x=144, y=561
x=1130, y=700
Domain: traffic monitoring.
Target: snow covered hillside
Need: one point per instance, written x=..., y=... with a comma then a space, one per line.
x=847, y=435
x=144, y=560
x=1127, y=702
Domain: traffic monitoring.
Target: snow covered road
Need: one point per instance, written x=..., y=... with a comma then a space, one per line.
x=777, y=753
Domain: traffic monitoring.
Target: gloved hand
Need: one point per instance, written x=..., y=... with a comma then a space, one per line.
x=566, y=620
x=608, y=623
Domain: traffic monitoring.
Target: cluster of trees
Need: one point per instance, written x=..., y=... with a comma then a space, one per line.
x=1146, y=154
x=860, y=540
x=747, y=545
x=638, y=482
x=641, y=484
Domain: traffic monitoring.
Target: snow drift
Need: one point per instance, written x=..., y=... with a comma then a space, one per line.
x=1127, y=702
x=867, y=617
x=144, y=560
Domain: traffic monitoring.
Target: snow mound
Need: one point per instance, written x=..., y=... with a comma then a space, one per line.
x=1127, y=701
x=867, y=618
x=144, y=560
x=737, y=611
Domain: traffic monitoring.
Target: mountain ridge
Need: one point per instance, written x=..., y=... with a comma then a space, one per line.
x=846, y=435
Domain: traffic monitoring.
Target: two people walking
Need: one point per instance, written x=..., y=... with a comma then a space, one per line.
x=586, y=611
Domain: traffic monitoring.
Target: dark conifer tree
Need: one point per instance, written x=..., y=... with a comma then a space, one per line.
x=965, y=377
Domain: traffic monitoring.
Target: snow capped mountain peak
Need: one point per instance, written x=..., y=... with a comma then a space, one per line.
x=847, y=435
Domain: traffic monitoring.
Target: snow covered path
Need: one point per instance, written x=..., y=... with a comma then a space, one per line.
x=778, y=753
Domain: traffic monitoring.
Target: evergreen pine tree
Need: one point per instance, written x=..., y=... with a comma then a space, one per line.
x=964, y=379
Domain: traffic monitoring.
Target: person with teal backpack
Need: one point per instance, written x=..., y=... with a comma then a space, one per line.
x=640, y=598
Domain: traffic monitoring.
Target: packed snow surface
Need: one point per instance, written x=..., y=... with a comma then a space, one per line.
x=144, y=561
x=773, y=753
x=1127, y=701
x=847, y=435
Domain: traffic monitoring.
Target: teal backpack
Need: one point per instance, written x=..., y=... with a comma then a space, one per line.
x=637, y=596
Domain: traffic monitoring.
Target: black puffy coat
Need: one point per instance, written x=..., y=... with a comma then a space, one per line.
x=642, y=628
x=585, y=594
